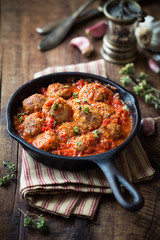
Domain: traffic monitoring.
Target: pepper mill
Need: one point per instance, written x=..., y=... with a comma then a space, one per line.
x=119, y=43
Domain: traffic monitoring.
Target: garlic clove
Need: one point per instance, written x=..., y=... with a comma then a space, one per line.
x=154, y=66
x=98, y=30
x=83, y=44
x=147, y=126
x=148, y=34
x=156, y=58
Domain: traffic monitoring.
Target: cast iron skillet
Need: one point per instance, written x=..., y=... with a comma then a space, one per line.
x=104, y=160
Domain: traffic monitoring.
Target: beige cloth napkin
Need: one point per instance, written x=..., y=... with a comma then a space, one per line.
x=68, y=193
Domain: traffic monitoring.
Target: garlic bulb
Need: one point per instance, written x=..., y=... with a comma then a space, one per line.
x=148, y=34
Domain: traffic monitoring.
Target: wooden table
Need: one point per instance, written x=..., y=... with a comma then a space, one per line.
x=19, y=60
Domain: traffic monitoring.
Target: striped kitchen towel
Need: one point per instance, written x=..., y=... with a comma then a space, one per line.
x=68, y=193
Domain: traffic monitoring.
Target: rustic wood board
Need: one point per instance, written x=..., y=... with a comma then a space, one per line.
x=19, y=60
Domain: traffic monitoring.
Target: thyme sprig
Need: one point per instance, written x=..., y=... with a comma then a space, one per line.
x=10, y=175
x=140, y=85
x=31, y=220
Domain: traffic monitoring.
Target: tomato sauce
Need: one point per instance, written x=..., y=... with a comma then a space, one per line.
x=74, y=119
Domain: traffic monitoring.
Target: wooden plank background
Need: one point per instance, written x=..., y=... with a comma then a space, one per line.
x=19, y=60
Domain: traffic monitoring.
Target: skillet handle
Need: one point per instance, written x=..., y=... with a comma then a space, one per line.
x=115, y=178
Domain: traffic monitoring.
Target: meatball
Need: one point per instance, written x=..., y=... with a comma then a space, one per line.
x=47, y=141
x=104, y=109
x=74, y=103
x=31, y=126
x=83, y=143
x=58, y=109
x=34, y=103
x=112, y=131
x=87, y=117
x=93, y=91
x=67, y=130
x=60, y=90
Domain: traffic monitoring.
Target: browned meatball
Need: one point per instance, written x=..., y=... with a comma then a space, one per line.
x=67, y=130
x=31, y=126
x=59, y=89
x=47, y=141
x=74, y=103
x=57, y=108
x=83, y=143
x=112, y=131
x=93, y=91
x=87, y=117
x=34, y=103
x=104, y=109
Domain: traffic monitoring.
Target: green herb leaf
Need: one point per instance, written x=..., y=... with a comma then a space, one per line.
x=41, y=224
x=96, y=132
x=126, y=81
x=79, y=143
x=143, y=76
x=76, y=130
x=86, y=109
x=10, y=175
x=54, y=106
x=125, y=107
x=28, y=222
x=140, y=85
x=21, y=119
x=128, y=69
x=22, y=114
x=31, y=220
x=75, y=94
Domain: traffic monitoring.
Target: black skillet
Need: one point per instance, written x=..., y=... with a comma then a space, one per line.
x=104, y=160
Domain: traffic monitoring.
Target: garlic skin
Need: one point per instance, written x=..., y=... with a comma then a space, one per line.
x=154, y=66
x=147, y=127
x=98, y=30
x=148, y=34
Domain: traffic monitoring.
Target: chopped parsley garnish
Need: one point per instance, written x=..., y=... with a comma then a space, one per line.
x=60, y=105
x=54, y=106
x=21, y=119
x=86, y=109
x=96, y=132
x=125, y=108
x=76, y=130
x=75, y=94
x=29, y=130
x=79, y=143
x=22, y=114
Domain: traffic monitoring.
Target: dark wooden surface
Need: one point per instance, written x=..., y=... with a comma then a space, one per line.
x=19, y=60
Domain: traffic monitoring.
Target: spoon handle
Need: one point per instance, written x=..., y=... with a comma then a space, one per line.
x=55, y=37
x=81, y=9
x=48, y=27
